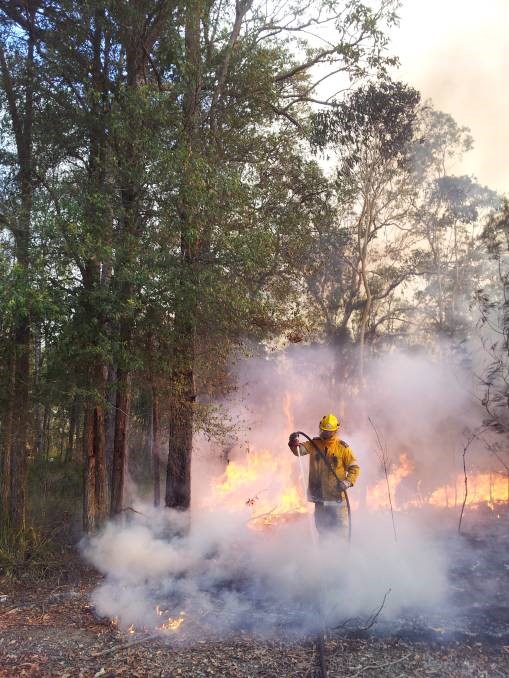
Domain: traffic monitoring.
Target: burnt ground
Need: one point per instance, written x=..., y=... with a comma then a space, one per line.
x=477, y=605
x=50, y=629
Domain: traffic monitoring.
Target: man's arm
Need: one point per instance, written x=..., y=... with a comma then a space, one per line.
x=297, y=448
x=351, y=465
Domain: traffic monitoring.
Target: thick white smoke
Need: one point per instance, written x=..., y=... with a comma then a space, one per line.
x=227, y=573
x=225, y=577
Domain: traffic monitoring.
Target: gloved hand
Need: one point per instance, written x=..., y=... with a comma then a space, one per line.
x=344, y=485
x=293, y=441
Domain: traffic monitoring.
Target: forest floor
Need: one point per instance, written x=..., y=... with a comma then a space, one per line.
x=49, y=628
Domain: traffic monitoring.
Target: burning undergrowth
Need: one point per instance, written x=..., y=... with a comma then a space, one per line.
x=224, y=577
x=248, y=560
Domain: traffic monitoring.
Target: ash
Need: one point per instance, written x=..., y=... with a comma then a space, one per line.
x=476, y=607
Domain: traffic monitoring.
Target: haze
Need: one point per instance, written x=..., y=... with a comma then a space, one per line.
x=456, y=53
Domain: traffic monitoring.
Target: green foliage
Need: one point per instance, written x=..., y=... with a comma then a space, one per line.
x=55, y=488
x=164, y=241
x=381, y=115
x=27, y=553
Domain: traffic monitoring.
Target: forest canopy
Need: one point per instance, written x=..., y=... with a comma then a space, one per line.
x=185, y=182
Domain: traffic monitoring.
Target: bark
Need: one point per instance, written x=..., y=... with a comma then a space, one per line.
x=138, y=45
x=22, y=125
x=73, y=415
x=21, y=397
x=45, y=438
x=7, y=442
x=95, y=487
x=101, y=477
x=110, y=418
x=62, y=448
x=38, y=446
x=89, y=463
x=95, y=491
x=363, y=237
x=178, y=474
x=178, y=471
x=120, y=441
x=125, y=289
x=156, y=462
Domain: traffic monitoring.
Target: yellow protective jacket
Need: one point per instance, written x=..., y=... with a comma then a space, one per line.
x=323, y=485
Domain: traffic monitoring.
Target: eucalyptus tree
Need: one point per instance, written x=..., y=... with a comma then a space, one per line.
x=93, y=57
x=448, y=217
x=250, y=67
x=492, y=365
x=371, y=131
x=18, y=82
x=173, y=188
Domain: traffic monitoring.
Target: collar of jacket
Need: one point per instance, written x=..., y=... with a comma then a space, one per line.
x=327, y=442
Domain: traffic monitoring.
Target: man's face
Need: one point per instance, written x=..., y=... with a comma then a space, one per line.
x=327, y=435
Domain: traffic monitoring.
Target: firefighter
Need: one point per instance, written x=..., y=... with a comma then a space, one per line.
x=330, y=475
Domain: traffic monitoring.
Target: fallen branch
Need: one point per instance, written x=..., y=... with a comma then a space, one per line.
x=126, y=646
x=277, y=515
x=374, y=615
x=370, y=622
x=373, y=667
x=130, y=508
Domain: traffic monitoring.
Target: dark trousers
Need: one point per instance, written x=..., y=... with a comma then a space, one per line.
x=331, y=518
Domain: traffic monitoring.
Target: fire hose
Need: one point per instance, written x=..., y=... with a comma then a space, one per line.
x=323, y=457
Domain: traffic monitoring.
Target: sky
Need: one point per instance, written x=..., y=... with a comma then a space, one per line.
x=456, y=52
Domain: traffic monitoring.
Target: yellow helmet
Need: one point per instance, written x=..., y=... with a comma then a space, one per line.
x=329, y=423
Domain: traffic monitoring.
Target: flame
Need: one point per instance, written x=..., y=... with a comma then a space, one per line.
x=242, y=474
x=173, y=624
x=266, y=482
x=377, y=496
x=261, y=481
x=483, y=488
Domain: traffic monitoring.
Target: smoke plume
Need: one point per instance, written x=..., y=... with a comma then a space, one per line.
x=250, y=559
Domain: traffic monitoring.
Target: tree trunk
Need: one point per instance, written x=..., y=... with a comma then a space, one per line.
x=156, y=462
x=22, y=125
x=95, y=490
x=120, y=441
x=61, y=446
x=89, y=464
x=110, y=419
x=95, y=486
x=38, y=425
x=137, y=45
x=178, y=474
x=73, y=414
x=96, y=495
x=101, y=477
x=45, y=435
x=21, y=427
x=7, y=441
